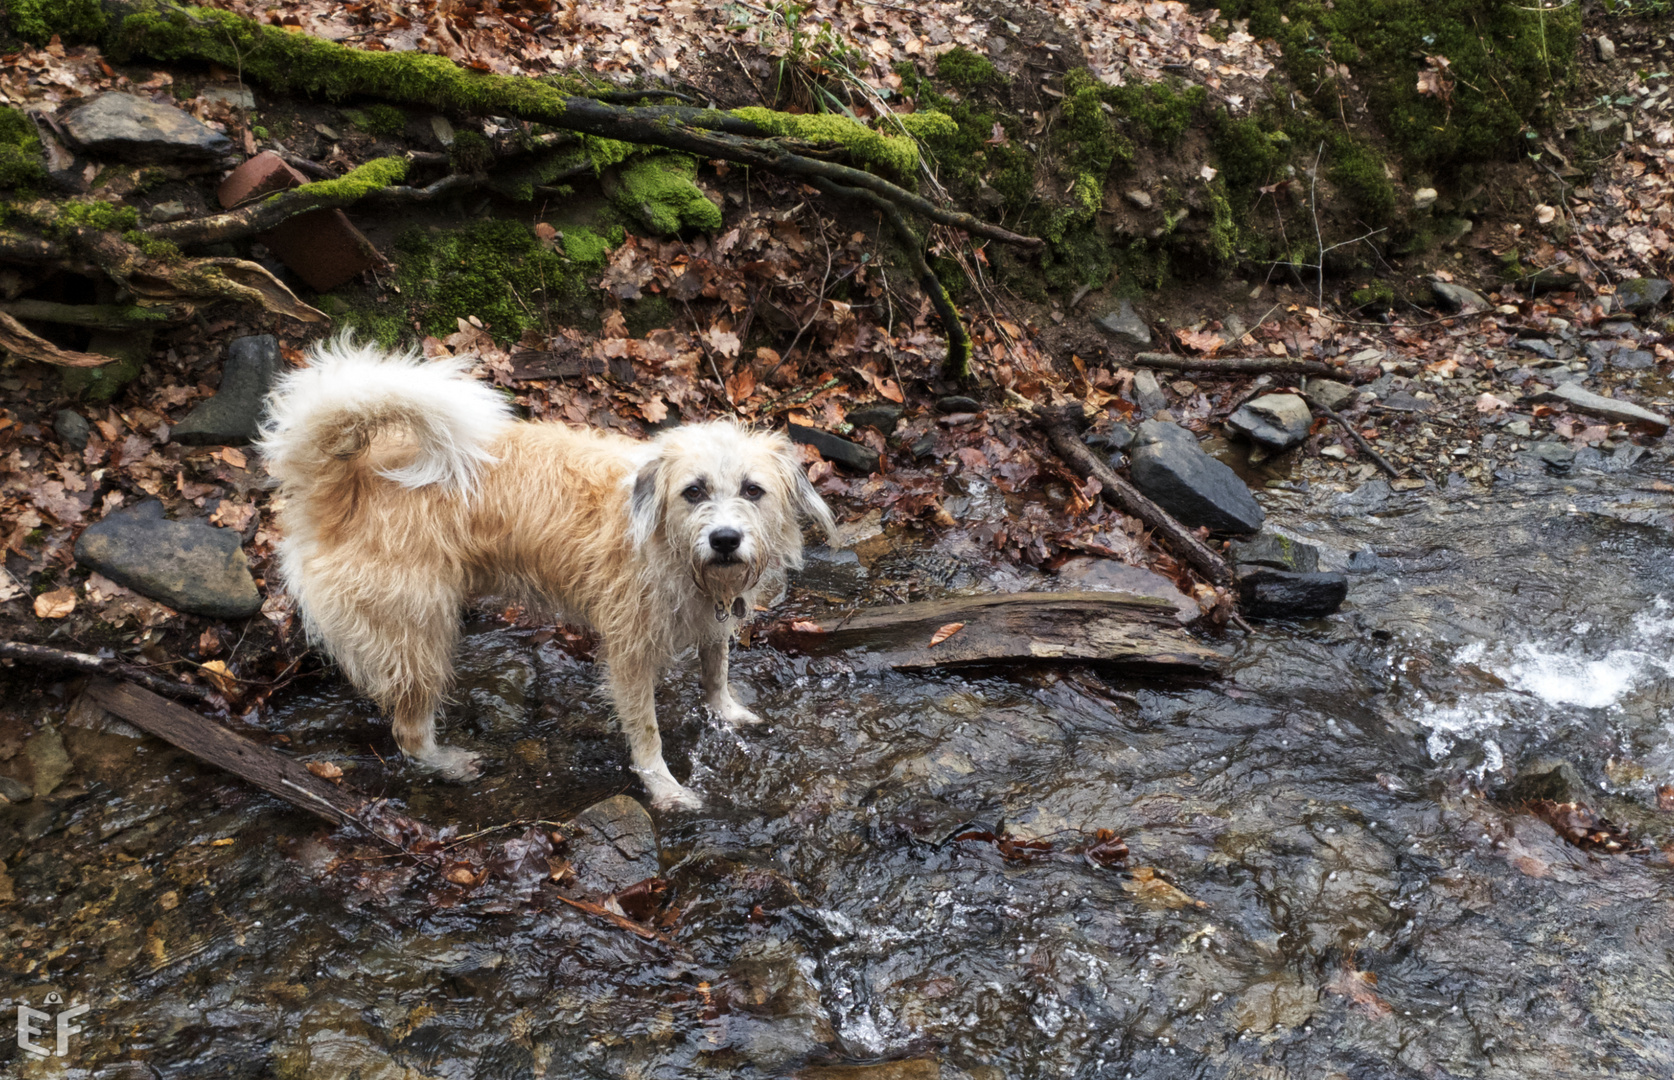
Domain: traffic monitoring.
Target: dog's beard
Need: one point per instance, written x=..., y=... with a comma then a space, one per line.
x=721, y=580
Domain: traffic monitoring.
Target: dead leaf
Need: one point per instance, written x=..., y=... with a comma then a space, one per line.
x=326, y=770
x=1153, y=891
x=55, y=604
x=945, y=632
x=221, y=677
x=803, y=626
x=1200, y=340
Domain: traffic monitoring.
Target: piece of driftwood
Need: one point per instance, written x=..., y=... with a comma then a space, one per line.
x=47, y=656
x=1141, y=634
x=208, y=741
x=1243, y=365
x=1063, y=426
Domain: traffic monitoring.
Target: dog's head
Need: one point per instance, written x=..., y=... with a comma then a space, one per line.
x=728, y=500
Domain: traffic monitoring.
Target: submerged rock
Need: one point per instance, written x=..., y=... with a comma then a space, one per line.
x=136, y=130
x=1264, y=593
x=1546, y=778
x=1172, y=470
x=192, y=567
x=615, y=845
x=1276, y=421
x=232, y=416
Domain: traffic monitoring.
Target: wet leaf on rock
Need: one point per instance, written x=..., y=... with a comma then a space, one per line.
x=1577, y=824
x=945, y=632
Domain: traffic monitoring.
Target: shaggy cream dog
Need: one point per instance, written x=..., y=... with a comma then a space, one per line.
x=407, y=489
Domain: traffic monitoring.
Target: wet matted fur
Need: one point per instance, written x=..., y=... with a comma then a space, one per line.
x=407, y=488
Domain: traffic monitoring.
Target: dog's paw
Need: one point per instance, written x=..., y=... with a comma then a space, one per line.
x=452, y=764
x=732, y=712
x=678, y=797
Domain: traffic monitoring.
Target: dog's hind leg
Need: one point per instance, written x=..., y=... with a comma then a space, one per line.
x=712, y=659
x=633, y=684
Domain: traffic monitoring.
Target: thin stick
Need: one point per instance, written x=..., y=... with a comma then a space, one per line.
x=1359, y=439
x=1243, y=365
x=46, y=656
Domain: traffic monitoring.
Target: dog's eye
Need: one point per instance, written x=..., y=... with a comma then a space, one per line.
x=753, y=490
x=694, y=493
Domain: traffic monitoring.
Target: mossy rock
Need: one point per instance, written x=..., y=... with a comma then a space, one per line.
x=658, y=190
x=74, y=21
x=101, y=384
x=495, y=270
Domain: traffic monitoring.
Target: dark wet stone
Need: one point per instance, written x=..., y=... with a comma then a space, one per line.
x=924, y=447
x=958, y=403
x=1557, y=455
x=136, y=130
x=1401, y=401
x=1276, y=421
x=1126, y=327
x=190, y=566
x=231, y=417
x=833, y=572
x=1264, y=593
x=1642, y=294
x=842, y=451
x=1170, y=468
x=72, y=427
x=1538, y=346
x=1456, y=297
x=15, y=790
x=1546, y=778
x=1333, y=395
x=883, y=416
x=495, y=682
x=613, y=845
x=1276, y=552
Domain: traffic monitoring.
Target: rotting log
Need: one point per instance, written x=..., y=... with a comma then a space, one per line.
x=1135, y=634
x=1064, y=426
x=97, y=316
x=1247, y=365
x=252, y=762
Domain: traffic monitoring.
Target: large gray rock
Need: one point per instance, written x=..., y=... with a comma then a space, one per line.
x=1283, y=594
x=232, y=415
x=190, y=566
x=1457, y=298
x=613, y=845
x=1126, y=327
x=1642, y=294
x=136, y=130
x=1148, y=393
x=1276, y=553
x=1277, y=421
x=1622, y=412
x=1170, y=468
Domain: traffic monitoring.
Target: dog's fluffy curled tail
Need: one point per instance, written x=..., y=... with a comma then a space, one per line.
x=328, y=412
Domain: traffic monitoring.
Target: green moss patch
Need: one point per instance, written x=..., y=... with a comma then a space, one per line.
x=495, y=270
x=74, y=21
x=894, y=154
x=965, y=70
x=21, y=163
x=658, y=190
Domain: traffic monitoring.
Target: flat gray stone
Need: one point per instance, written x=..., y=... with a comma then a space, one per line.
x=136, y=130
x=1277, y=553
x=190, y=566
x=1276, y=421
x=613, y=845
x=1125, y=326
x=1457, y=298
x=833, y=448
x=1174, y=472
x=1148, y=393
x=1556, y=454
x=1333, y=395
x=1624, y=412
x=883, y=416
x=1642, y=294
x=1632, y=360
x=233, y=415
x=1539, y=346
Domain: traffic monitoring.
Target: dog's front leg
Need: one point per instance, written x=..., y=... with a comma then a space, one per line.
x=633, y=683
x=712, y=658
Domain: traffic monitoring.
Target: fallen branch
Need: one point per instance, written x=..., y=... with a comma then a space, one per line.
x=19, y=340
x=1242, y=365
x=599, y=911
x=1359, y=439
x=97, y=316
x=1063, y=426
x=203, y=738
x=48, y=657
x=958, y=362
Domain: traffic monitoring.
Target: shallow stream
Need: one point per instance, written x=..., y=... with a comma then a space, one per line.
x=1322, y=881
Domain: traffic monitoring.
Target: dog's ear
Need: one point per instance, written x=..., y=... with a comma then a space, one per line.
x=803, y=496
x=645, y=505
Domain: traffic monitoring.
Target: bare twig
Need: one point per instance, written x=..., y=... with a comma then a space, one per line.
x=48, y=657
x=1359, y=440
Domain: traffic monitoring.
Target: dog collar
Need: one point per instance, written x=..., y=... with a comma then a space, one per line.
x=737, y=612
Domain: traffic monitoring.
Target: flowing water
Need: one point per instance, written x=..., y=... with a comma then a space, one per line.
x=1325, y=878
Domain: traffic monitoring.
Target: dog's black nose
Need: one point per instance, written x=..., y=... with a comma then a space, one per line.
x=725, y=541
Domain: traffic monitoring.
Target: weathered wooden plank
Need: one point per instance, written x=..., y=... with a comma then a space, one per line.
x=207, y=740
x=1119, y=630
